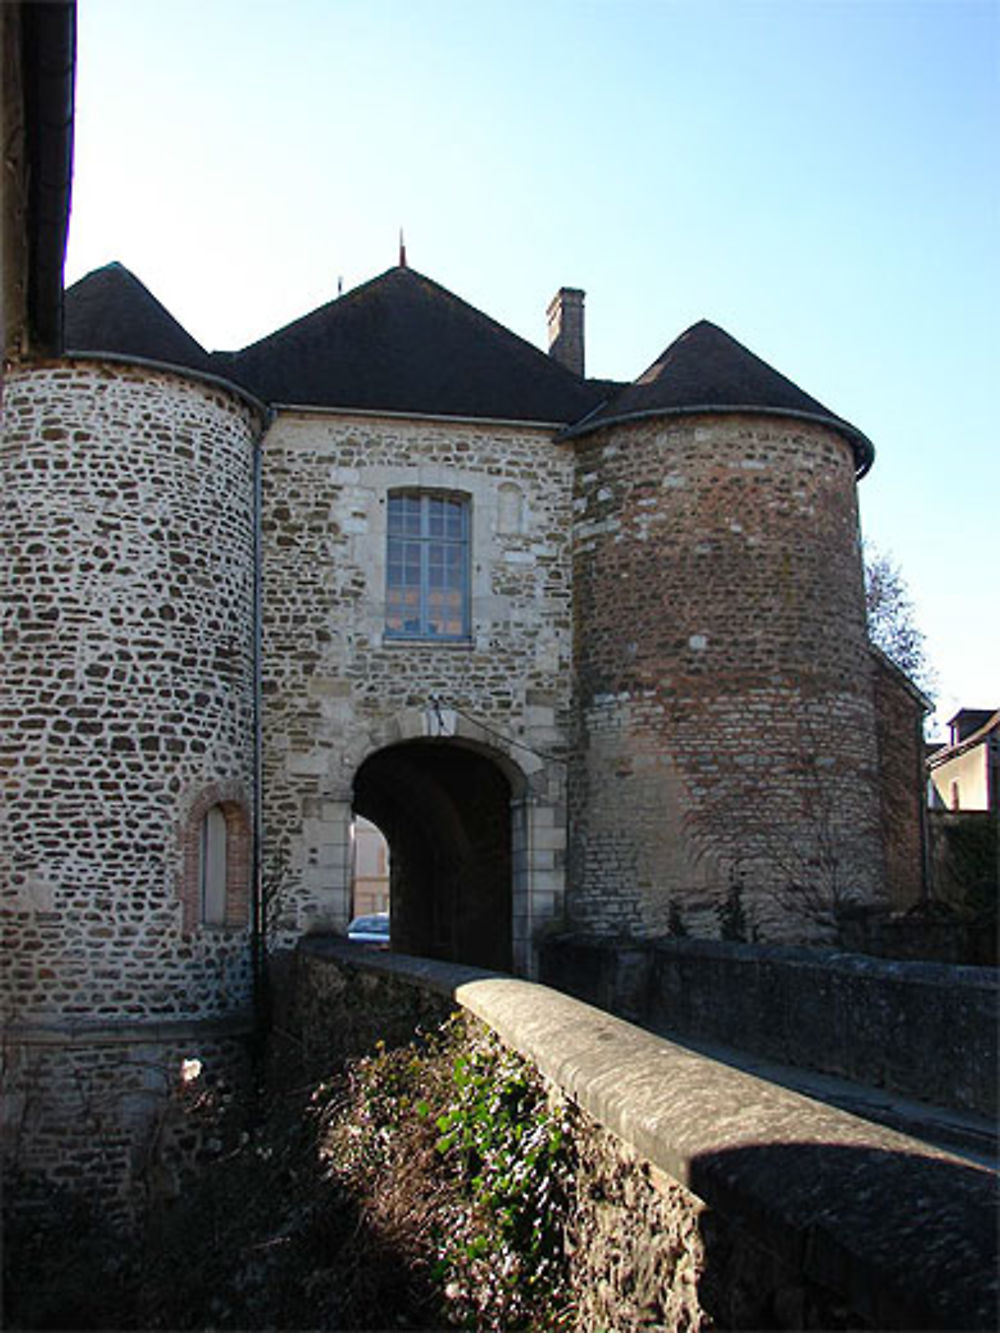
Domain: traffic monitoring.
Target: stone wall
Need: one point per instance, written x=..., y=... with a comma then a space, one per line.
x=127, y=668
x=108, y=1112
x=922, y=1030
x=706, y=1197
x=902, y=785
x=127, y=676
x=725, y=727
x=336, y=690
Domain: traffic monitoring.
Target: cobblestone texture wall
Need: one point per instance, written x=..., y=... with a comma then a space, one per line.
x=126, y=592
x=336, y=690
x=127, y=668
x=110, y=1114
x=646, y=1253
x=725, y=727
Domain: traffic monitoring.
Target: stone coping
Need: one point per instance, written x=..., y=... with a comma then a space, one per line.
x=923, y=1030
x=906, y=1232
x=911, y=971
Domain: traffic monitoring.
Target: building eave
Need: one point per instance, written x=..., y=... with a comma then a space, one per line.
x=861, y=447
x=908, y=684
x=972, y=742
x=171, y=368
x=375, y=413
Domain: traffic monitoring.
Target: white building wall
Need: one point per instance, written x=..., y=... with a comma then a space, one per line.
x=962, y=783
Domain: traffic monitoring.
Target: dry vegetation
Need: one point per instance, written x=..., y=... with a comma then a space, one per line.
x=419, y=1188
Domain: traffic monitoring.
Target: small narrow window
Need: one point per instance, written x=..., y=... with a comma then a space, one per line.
x=213, y=867
x=427, y=566
x=214, y=883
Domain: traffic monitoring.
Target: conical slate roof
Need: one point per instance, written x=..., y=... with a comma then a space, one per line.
x=706, y=370
x=401, y=343
x=110, y=310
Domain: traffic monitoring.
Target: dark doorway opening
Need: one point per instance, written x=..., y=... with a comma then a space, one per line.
x=444, y=809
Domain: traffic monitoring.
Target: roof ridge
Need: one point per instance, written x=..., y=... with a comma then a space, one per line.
x=411, y=273
x=403, y=342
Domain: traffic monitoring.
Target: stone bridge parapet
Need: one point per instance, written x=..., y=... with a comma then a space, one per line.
x=923, y=1030
x=773, y=1186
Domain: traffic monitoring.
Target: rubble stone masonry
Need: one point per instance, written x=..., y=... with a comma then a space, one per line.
x=725, y=731
x=664, y=697
x=336, y=689
x=127, y=698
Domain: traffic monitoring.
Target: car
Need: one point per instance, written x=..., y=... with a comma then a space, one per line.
x=373, y=929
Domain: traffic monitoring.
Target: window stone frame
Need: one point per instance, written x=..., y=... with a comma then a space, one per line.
x=231, y=798
x=456, y=496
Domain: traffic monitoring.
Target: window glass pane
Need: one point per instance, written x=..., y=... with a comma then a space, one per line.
x=427, y=565
x=404, y=515
x=403, y=564
x=435, y=566
x=455, y=566
x=456, y=520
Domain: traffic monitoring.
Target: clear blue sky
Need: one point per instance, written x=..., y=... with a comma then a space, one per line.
x=821, y=179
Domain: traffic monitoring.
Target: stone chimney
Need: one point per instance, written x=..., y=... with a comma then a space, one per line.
x=566, y=328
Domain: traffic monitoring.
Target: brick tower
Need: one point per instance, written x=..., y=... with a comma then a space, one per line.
x=725, y=729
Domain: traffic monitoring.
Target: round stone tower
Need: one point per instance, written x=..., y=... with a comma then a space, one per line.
x=725, y=777
x=128, y=673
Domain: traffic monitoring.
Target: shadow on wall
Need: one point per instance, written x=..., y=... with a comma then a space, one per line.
x=843, y=1237
x=810, y=1219
x=923, y=1030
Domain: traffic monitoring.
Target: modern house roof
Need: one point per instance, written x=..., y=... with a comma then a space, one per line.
x=987, y=725
x=968, y=720
x=402, y=343
x=707, y=370
x=110, y=310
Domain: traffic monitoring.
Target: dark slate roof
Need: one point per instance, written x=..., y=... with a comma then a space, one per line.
x=401, y=343
x=110, y=310
x=707, y=370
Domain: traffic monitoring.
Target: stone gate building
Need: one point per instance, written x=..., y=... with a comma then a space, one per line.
x=590, y=654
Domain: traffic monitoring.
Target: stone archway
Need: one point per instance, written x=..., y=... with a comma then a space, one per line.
x=445, y=810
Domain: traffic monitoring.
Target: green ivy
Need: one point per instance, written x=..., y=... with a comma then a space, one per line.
x=497, y=1228
x=510, y=1148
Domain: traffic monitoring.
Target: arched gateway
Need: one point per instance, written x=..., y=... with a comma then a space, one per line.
x=476, y=828
x=445, y=810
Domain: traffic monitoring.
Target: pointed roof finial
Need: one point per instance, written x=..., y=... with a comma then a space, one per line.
x=402, y=250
